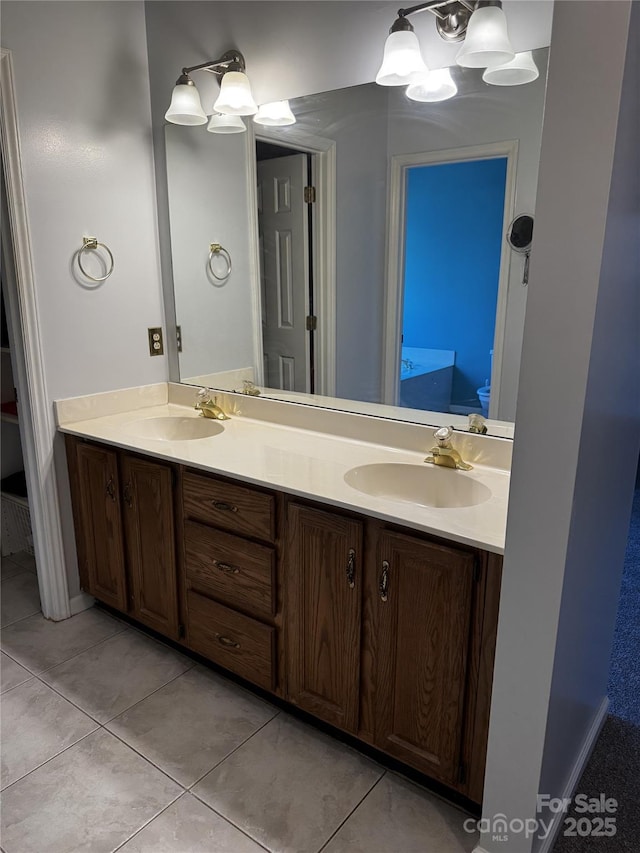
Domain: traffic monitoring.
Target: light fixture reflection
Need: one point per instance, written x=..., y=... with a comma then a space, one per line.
x=402, y=61
x=235, y=96
x=226, y=124
x=437, y=85
x=522, y=69
x=487, y=40
x=275, y=114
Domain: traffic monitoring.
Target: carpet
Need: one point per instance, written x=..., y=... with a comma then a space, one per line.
x=614, y=766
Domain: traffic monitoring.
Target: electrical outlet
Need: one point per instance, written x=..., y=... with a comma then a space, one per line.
x=156, y=346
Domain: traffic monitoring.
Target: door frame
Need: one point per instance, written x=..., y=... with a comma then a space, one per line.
x=324, y=246
x=394, y=305
x=37, y=424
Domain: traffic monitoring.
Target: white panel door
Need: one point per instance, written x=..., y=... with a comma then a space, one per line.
x=283, y=223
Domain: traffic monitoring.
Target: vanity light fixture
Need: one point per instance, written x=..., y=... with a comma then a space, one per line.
x=482, y=27
x=437, y=85
x=219, y=123
x=275, y=114
x=522, y=69
x=235, y=91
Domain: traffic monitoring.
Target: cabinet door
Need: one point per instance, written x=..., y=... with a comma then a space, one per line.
x=101, y=550
x=323, y=600
x=148, y=514
x=424, y=632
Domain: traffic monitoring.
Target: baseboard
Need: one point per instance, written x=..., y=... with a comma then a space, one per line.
x=574, y=777
x=81, y=602
x=578, y=768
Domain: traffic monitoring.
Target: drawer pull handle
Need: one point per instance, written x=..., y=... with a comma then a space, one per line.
x=223, y=506
x=351, y=568
x=226, y=567
x=228, y=643
x=383, y=585
x=111, y=490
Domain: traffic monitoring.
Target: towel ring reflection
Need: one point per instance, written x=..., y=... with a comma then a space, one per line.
x=217, y=249
x=92, y=243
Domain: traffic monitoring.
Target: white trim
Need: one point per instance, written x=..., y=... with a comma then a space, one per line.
x=81, y=602
x=392, y=326
x=324, y=242
x=37, y=426
x=577, y=770
x=254, y=254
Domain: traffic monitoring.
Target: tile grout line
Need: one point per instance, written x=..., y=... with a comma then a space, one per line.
x=229, y=754
x=138, y=701
x=66, y=660
x=188, y=793
x=357, y=806
x=111, y=719
x=51, y=758
x=22, y=618
x=229, y=821
x=182, y=794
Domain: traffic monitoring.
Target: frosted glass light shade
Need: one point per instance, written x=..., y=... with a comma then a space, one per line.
x=487, y=40
x=275, y=114
x=235, y=96
x=402, y=61
x=520, y=70
x=185, y=107
x=226, y=124
x=436, y=86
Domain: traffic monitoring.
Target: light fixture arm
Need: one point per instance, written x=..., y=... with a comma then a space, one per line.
x=452, y=16
x=232, y=60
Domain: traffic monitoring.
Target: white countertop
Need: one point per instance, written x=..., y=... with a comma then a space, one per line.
x=309, y=464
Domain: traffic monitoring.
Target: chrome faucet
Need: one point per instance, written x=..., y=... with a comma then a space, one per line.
x=444, y=453
x=208, y=406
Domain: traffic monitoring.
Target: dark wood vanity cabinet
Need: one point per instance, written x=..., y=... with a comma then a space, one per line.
x=384, y=633
x=323, y=600
x=97, y=511
x=425, y=607
x=123, y=513
x=230, y=559
x=147, y=496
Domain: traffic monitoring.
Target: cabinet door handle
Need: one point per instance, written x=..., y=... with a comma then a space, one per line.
x=223, y=506
x=225, y=641
x=229, y=568
x=128, y=499
x=383, y=585
x=351, y=568
x=111, y=489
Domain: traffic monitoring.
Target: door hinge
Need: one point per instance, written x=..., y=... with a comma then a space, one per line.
x=462, y=773
x=477, y=571
x=309, y=195
x=311, y=323
x=179, y=338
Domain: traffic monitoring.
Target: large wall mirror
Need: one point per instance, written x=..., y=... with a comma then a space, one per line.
x=390, y=289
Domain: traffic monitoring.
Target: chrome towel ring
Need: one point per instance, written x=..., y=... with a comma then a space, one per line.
x=92, y=243
x=217, y=249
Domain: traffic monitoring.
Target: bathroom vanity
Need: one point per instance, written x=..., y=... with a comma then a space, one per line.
x=382, y=630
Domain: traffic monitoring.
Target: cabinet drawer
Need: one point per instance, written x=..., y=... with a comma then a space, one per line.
x=241, y=644
x=231, y=507
x=239, y=572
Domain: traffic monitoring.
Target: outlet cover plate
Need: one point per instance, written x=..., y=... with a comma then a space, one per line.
x=156, y=344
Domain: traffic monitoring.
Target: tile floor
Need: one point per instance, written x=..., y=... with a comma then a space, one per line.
x=113, y=741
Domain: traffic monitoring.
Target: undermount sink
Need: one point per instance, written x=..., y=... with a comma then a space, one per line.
x=424, y=485
x=175, y=428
